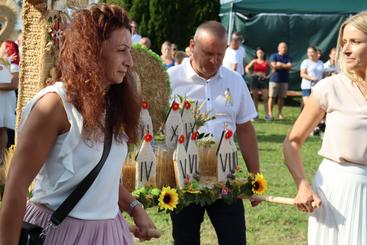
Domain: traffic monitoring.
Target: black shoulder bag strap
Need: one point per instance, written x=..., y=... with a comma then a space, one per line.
x=64, y=209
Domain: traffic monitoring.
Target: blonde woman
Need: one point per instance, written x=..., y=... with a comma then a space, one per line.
x=166, y=56
x=312, y=70
x=340, y=184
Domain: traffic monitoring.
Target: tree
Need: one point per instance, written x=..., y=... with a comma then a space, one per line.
x=176, y=20
x=117, y=2
x=139, y=12
x=169, y=20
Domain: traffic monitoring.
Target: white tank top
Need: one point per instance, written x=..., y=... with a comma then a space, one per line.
x=70, y=160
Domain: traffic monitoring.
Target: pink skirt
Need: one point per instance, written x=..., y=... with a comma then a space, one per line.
x=78, y=231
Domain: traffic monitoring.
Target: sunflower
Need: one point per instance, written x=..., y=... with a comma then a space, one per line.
x=168, y=199
x=259, y=184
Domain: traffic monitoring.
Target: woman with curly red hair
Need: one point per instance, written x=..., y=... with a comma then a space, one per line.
x=61, y=138
x=9, y=64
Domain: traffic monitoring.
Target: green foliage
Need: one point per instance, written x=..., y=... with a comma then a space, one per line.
x=194, y=192
x=171, y=20
x=116, y=2
x=127, y=4
x=140, y=13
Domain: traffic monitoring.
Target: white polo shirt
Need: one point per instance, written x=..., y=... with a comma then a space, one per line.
x=226, y=94
x=234, y=56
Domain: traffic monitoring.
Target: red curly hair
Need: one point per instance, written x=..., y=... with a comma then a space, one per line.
x=11, y=49
x=80, y=68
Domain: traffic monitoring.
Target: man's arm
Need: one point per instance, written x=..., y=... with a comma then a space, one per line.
x=234, y=66
x=274, y=66
x=287, y=66
x=279, y=65
x=248, y=146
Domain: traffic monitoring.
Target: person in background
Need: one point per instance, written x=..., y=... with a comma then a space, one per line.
x=280, y=64
x=61, y=135
x=204, y=78
x=145, y=42
x=330, y=65
x=188, y=54
x=180, y=56
x=319, y=53
x=259, y=74
x=9, y=59
x=135, y=37
x=174, y=49
x=312, y=71
x=235, y=54
x=337, y=201
x=166, y=55
x=188, y=51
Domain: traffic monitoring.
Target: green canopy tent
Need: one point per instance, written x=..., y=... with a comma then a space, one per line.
x=265, y=23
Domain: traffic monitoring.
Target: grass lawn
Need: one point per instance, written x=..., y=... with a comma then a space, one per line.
x=268, y=223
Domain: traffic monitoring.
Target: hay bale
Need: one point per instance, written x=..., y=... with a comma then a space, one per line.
x=31, y=76
x=128, y=174
x=155, y=88
x=7, y=155
x=165, y=167
x=208, y=160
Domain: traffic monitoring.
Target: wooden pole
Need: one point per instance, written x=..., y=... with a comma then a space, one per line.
x=274, y=199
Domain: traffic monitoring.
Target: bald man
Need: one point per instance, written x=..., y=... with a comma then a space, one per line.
x=280, y=63
x=227, y=98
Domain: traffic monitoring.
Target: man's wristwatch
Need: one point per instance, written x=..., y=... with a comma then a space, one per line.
x=132, y=205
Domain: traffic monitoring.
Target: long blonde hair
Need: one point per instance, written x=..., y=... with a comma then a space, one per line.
x=359, y=21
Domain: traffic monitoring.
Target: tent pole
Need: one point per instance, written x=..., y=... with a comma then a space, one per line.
x=230, y=24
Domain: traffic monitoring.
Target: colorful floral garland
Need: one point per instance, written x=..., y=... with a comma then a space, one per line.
x=175, y=199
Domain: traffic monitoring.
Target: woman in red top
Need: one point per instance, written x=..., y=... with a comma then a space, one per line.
x=259, y=76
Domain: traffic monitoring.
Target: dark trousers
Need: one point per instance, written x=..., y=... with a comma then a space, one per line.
x=228, y=222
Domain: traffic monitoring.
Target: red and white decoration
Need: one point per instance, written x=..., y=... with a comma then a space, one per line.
x=173, y=126
x=188, y=121
x=180, y=160
x=146, y=167
x=226, y=156
x=146, y=124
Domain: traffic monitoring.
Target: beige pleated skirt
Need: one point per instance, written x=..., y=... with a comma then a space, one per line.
x=342, y=217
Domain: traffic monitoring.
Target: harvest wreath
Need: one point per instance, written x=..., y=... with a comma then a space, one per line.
x=174, y=199
x=187, y=167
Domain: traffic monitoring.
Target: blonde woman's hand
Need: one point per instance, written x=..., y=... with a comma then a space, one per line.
x=306, y=199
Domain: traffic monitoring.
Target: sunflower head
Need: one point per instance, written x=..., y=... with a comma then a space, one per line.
x=168, y=199
x=259, y=184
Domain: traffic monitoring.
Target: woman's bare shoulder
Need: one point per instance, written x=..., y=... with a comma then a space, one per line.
x=50, y=109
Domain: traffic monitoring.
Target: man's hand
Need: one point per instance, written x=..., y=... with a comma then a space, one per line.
x=254, y=202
